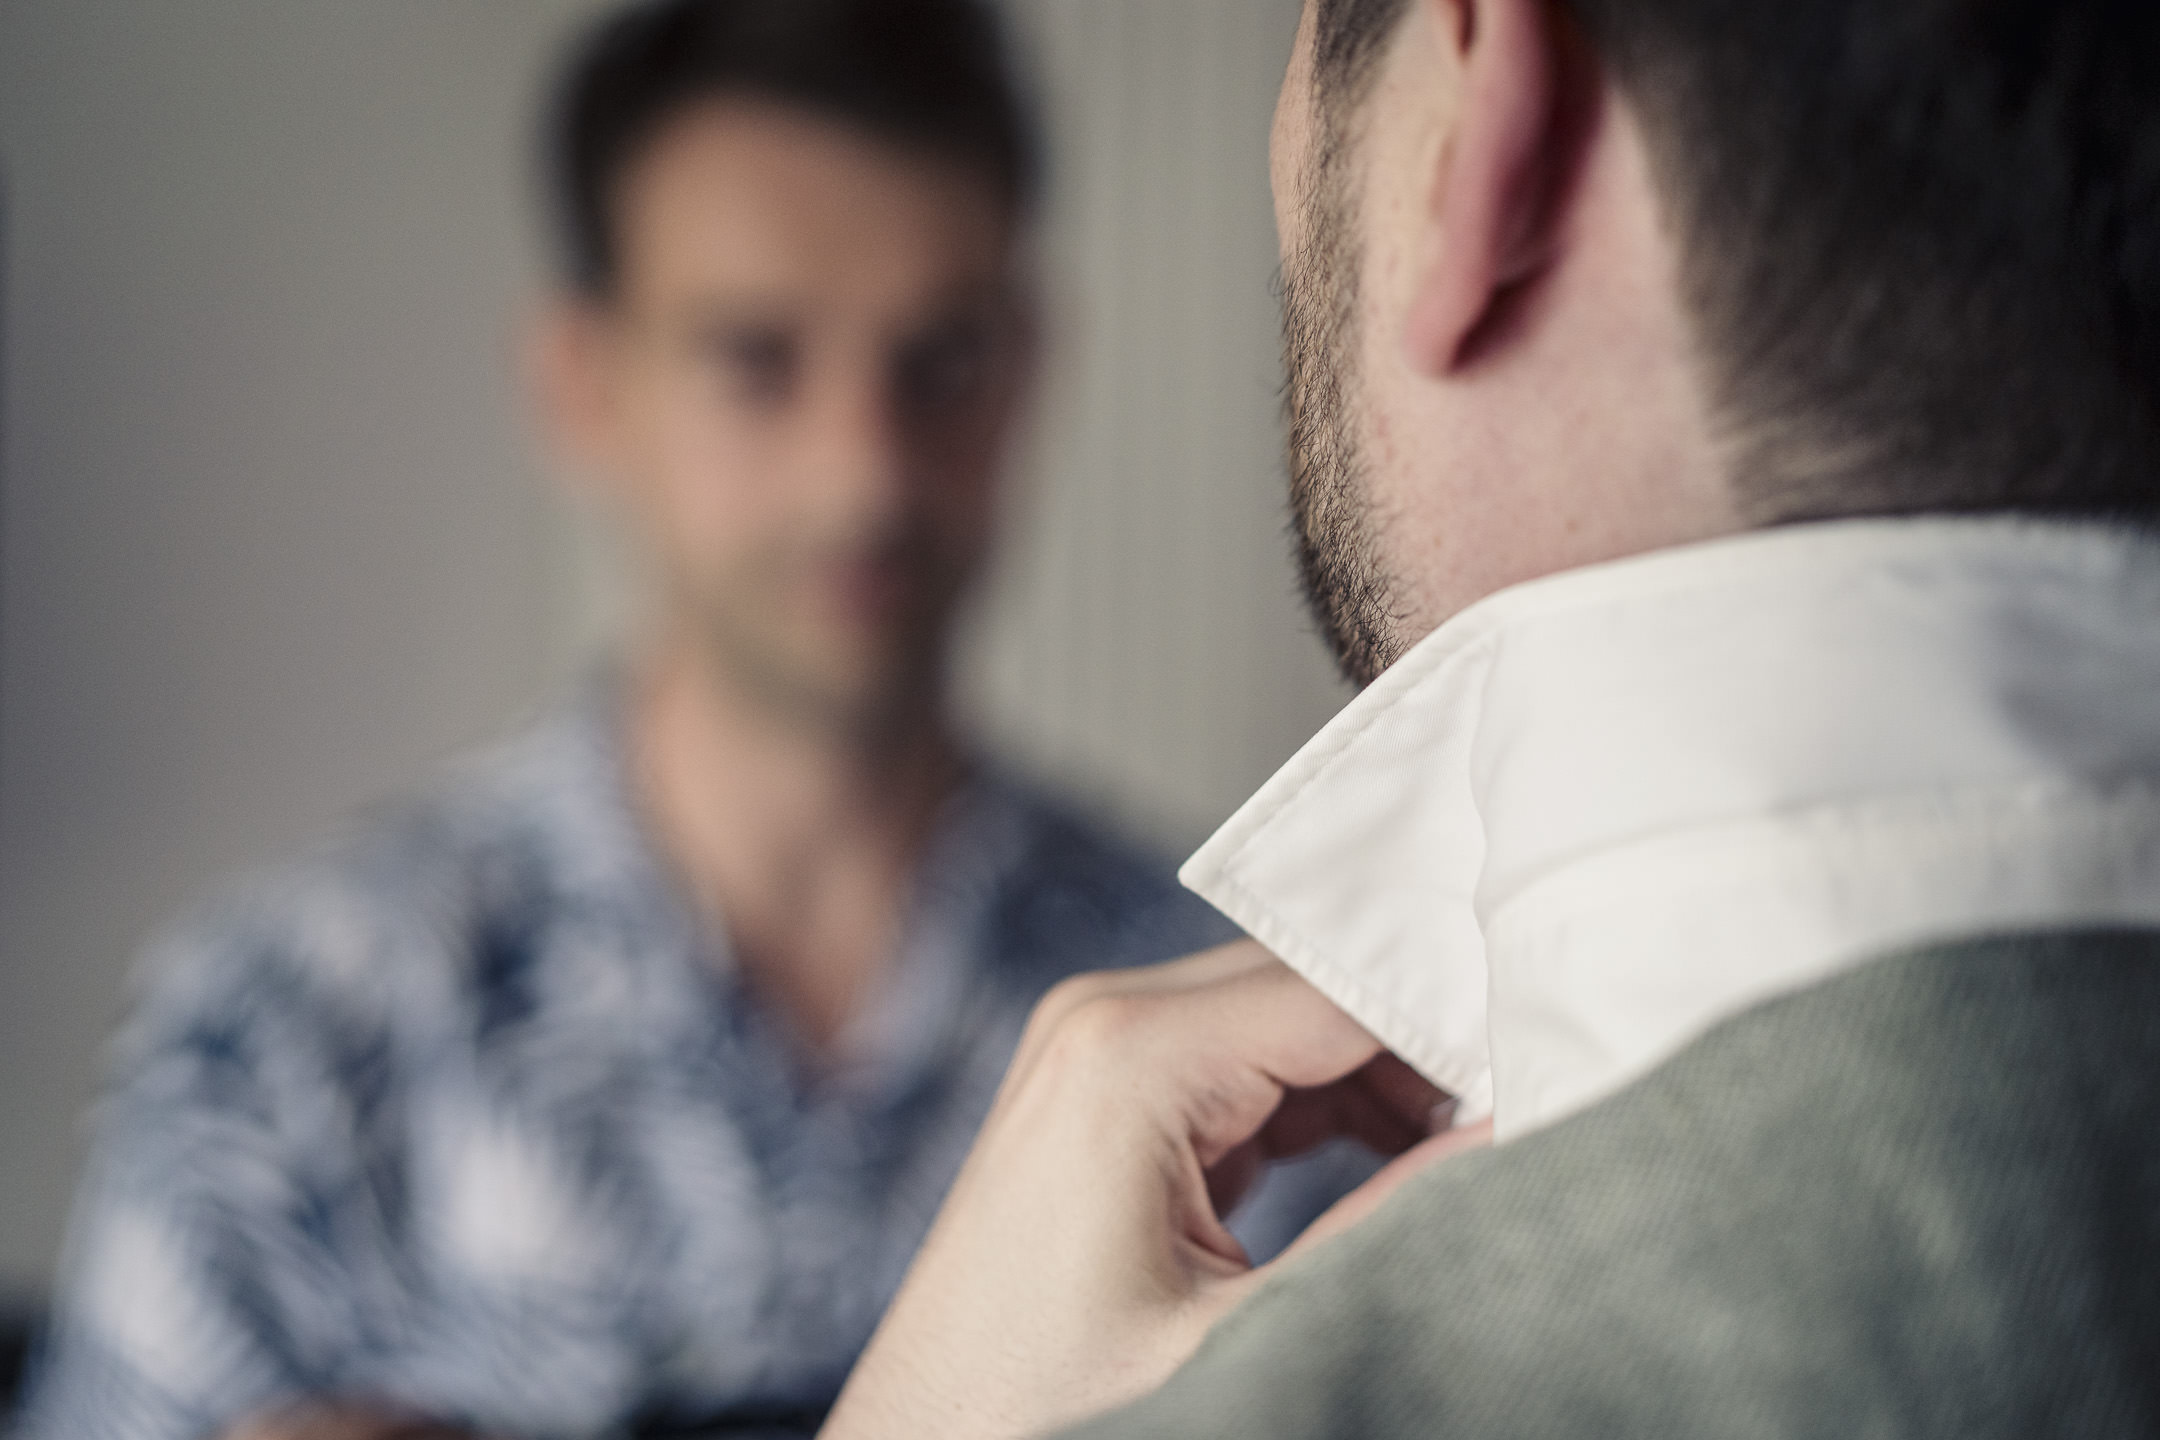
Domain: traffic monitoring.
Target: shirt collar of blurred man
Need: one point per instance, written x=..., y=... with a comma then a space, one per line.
x=1588, y=306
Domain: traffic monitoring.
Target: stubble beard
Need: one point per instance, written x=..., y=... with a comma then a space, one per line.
x=1347, y=587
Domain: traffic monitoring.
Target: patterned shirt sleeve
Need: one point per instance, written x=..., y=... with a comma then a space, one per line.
x=467, y=1114
x=197, y=1289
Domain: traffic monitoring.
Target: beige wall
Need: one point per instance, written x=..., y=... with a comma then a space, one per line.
x=273, y=539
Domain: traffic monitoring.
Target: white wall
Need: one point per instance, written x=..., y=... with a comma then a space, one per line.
x=272, y=538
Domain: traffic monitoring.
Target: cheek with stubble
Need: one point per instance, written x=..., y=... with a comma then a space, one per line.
x=1347, y=587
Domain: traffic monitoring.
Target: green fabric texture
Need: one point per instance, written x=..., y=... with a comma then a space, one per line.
x=1922, y=1199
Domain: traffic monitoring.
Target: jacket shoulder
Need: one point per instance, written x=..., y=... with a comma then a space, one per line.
x=1920, y=1198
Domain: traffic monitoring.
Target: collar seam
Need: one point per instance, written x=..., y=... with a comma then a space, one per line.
x=1474, y=649
x=1355, y=996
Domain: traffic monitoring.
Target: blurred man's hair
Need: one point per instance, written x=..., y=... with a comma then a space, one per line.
x=927, y=75
x=1921, y=238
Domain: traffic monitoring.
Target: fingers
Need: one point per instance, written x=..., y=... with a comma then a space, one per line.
x=1208, y=967
x=1253, y=1064
x=1415, y=1101
x=1261, y=1015
x=1207, y=1044
x=1079, y=1256
x=1374, y=1193
x=1234, y=1049
x=1384, y=1105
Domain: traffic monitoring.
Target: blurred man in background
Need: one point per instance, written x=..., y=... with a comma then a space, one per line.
x=612, y=1085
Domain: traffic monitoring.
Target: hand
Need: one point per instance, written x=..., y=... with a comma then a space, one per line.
x=314, y=1421
x=1081, y=1257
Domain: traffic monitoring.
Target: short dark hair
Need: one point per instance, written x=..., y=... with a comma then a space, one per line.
x=1348, y=38
x=1921, y=240
x=930, y=75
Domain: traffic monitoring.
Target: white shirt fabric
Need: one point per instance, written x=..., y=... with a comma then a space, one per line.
x=1593, y=815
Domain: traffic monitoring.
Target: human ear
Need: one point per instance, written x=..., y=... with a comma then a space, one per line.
x=1487, y=225
x=566, y=370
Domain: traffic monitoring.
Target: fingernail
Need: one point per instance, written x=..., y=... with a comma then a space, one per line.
x=1442, y=1116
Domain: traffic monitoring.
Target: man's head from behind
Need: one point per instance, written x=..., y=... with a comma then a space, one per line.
x=793, y=332
x=1571, y=279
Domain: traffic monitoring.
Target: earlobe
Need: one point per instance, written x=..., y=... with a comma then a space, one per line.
x=1487, y=226
x=562, y=375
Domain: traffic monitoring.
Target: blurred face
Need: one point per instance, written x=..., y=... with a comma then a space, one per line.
x=800, y=393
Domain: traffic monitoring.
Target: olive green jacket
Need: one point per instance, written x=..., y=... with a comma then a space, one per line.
x=1922, y=1199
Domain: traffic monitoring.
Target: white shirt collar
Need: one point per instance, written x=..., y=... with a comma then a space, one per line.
x=1593, y=815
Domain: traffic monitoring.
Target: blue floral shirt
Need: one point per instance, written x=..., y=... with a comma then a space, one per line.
x=467, y=1113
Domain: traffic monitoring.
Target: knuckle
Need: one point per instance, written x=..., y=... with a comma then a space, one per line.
x=1100, y=1027
x=1070, y=994
x=1064, y=1008
x=1056, y=1004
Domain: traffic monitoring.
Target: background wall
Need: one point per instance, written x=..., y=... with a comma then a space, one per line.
x=273, y=538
